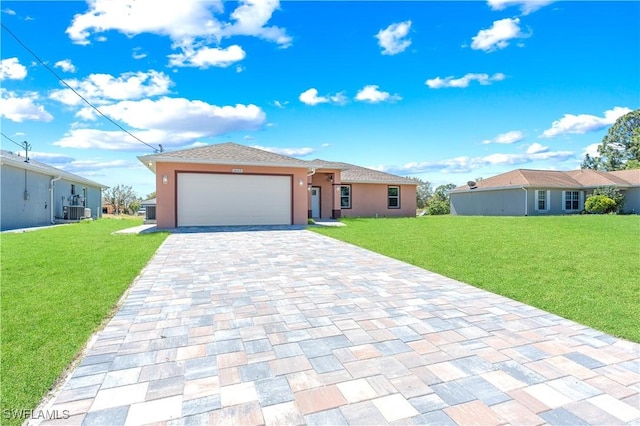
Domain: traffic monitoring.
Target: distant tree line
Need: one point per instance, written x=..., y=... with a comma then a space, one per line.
x=434, y=202
x=620, y=148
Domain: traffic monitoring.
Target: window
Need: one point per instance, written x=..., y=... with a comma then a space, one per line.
x=345, y=196
x=542, y=200
x=393, y=197
x=73, y=189
x=571, y=200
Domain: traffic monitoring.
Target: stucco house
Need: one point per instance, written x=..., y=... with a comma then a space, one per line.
x=37, y=194
x=232, y=184
x=526, y=192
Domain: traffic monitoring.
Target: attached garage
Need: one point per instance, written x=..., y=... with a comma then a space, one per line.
x=215, y=199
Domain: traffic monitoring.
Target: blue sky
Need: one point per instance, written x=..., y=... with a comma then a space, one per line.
x=443, y=91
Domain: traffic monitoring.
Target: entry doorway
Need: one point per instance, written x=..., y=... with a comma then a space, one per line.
x=315, y=201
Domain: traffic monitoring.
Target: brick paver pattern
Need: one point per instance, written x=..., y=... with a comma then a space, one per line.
x=289, y=327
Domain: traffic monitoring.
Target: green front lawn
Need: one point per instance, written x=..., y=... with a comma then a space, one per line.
x=584, y=267
x=58, y=286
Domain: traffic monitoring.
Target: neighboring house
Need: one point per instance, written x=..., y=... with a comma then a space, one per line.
x=232, y=184
x=526, y=192
x=149, y=207
x=36, y=194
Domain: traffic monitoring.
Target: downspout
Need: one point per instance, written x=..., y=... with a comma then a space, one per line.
x=526, y=206
x=51, y=186
x=313, y=172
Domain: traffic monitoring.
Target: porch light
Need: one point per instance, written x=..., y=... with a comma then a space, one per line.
x=300, y=183
x=165, y=179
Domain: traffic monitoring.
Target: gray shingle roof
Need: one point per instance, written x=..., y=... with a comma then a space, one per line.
x=10, y=158
x=584, y=178
x=227, y=153
x=350, y=173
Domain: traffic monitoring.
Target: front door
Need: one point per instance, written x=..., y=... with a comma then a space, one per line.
x=315, y=201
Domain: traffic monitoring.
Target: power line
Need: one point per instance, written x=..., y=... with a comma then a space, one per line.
x=73, y=90
x=11, y=140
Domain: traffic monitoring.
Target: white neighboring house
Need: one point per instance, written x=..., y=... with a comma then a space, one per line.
x=37, y=194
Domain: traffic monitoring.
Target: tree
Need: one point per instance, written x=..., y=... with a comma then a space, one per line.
x=120, y=198
x=439, y=203
x=150, y=196
x=423, y=193
x=620, y=148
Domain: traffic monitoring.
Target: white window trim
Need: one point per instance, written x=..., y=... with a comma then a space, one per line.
x=580, y=201
x=547, y=201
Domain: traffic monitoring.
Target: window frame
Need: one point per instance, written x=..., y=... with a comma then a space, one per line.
x=348, y=196
x=566, y=199
x=547, y=200
x=393, y=197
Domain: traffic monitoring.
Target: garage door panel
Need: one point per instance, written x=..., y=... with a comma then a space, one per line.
x=217, y=199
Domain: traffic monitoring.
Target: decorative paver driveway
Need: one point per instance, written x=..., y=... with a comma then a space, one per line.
x=290, y=327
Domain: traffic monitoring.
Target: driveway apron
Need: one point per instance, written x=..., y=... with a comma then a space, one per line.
x=290, y=327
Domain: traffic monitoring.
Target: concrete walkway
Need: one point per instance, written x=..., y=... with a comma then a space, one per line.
x=289, y=327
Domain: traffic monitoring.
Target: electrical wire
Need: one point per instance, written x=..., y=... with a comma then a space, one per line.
x=19, y=144
x=4, y=27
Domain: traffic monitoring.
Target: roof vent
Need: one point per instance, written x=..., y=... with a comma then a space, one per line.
x=472, y=184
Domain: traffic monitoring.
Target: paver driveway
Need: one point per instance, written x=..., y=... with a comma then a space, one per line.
x=290, y=327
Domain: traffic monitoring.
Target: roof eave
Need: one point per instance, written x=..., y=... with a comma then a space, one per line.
x=150, y=160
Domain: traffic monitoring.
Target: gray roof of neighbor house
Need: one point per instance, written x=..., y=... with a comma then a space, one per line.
x=149, y=202
x=224, y=153
x=9, y=158
x=526, y=178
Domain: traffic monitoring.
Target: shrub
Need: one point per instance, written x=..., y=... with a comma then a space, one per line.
x=611, y=192
x=600, y=204
x=437, y=207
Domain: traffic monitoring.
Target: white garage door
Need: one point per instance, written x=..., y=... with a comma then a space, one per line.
x=206, y=199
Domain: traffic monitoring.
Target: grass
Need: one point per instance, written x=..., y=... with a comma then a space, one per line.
x=585, y=268
x=58, y=286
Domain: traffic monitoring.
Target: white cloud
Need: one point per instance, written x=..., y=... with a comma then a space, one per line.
x=190, y=24
x=310, y=97
x=498, y=36
x=506, y=138
x=339, y=98
x=99, y=88
x=250, y=19
x=9, y=11
x=392, y=39
x=51, y=158
x=205, y=57
x=371, y=94
x=461, y=82
x=526, y=6
x=584, y=123
x=592, y=150
x=281, y=104
x=291, y=152
x=467, y=164
x=66, y=65
x=85, y=166
x=22, y=108
x=172, y=122
x=138, y=53
x=12, y=69
x=536, y=148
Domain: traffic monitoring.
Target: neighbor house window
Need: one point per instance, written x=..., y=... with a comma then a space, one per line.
x=393, y=197
x=345, y=196
x=73, y=189
x=542, y=200
x=571, y=200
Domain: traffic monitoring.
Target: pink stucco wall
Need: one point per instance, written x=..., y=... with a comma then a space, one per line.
x=369, y=200
x=166, y=193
